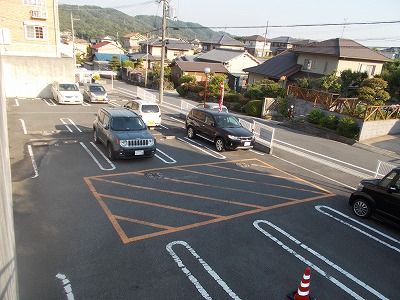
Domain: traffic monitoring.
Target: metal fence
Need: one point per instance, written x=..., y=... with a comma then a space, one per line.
x=383, y=169
x=264, y=134
x=186, y=107
x=145, y=95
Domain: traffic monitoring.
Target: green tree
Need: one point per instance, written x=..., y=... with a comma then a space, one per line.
x=373, y=92
x=351, y=79
x=330, y=82
x=265, y=88
x=187, y=79
x=114, y=63
x=127, y=64
x=391, y=73
x=214, y=84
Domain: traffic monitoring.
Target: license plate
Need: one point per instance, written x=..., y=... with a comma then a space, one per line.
x=139, y=152
x=246, y=144
x=100, y=98
x=150, y=123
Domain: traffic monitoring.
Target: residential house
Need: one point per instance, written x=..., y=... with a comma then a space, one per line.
x=131, y=41
x=109, y=47
x=101, y=61
x=142, y=57
x=196, y=69
x=257, y=45
x=282, y=43
x=173, y=48
x=30, y=48
x=224, y=42
x=318, y=59
x=392, y=52
x=80, y=45
x=235, y=61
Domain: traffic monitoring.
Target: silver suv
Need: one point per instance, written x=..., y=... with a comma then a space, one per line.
x=124, y=134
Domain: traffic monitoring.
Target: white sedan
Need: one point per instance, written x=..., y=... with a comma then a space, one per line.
x=66, y=93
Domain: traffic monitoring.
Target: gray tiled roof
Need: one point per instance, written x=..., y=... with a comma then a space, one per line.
x=258, y=38
x=284, y=64
x=191, y=66
x=341, y=48
x=224, y=40
x=170, y=44
x=219, y=55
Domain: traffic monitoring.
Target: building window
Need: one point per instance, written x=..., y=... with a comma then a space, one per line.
x=307, y=64
x=33, y=2
x=326, y=67
x=369, y=69
x=35, y=32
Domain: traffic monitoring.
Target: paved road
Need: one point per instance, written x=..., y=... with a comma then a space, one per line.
x=189, y=223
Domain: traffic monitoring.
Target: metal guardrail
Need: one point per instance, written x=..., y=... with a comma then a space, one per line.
x=264, y=134
x=383, y=169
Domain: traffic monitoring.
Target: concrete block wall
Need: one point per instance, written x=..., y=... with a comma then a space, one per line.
x=31, y=77
x=373, y=129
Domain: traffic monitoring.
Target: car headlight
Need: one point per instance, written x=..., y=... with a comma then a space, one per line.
x=123, y=143
x=360, y=187
x=232, y=137
x=151, y=142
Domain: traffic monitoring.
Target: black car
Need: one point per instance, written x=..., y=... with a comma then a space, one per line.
x=222, y=129
x=380, y=195
x=123, y=133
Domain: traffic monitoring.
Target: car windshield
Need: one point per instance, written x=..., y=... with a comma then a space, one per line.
x=150, y=108
x=127, y=124
x=97, y=89
x=68, y=87
x=226, y=121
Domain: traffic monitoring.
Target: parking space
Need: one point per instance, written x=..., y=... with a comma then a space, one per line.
x=231, y=193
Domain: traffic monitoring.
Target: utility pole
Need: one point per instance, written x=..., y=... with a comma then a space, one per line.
x=73, y=38
x=265, y=39
x=164, y=27
x=146, y=65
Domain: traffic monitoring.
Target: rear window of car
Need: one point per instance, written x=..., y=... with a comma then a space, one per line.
x=147, y=108
x=127, y=124
x=68, y=87
x=96, y=89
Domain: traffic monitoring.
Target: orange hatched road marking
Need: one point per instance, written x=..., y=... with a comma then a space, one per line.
x=214, y=217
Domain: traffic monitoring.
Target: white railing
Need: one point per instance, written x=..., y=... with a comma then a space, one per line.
x=145, y=95
x=246, y=124
x=264, y=134
x=186, y=107
x=383, y=169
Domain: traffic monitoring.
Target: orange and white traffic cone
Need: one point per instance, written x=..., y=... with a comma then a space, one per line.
x=303, y=292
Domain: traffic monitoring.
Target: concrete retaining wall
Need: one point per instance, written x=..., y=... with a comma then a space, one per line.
x=373, y=129
x=8, y=269
x=31, y=77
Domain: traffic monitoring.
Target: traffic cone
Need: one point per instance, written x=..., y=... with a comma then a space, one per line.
x=303, y=292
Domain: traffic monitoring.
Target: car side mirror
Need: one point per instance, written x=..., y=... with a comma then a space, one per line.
x=393, y=189
x=105, y=126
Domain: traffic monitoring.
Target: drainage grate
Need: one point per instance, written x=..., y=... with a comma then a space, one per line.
x=153, y=175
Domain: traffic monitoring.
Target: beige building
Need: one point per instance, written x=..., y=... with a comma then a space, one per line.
x=173, y=48
x=257, y=45
x=30, y=48
x=107, y=47
x=131, y=41
x=30, y=29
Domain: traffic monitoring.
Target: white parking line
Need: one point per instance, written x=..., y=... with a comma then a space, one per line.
x=34, y=165
x=257, y=152
x=95, y=159
x=164, y=126
x=71, y=122
x=171, y=160
x=316, y=173
x=209, y=152
x=85, y=104
x=113, y=103
x=206, y=267
x=49, y=102
x=23, y=126
x=67, y=286
x=16, y=102
x=177, y=120
x=321, y=257
x=320, y=207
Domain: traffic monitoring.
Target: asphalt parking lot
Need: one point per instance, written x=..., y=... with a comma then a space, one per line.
x=189, y=223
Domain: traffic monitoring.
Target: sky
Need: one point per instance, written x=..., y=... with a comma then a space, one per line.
x=288, y=12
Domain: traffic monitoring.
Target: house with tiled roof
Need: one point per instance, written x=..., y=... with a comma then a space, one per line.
x=257, y=45
x=317, y=59
x=131, y=41
x=196, y=69
x=107, y=47
x=173, y=48
x=282, y=43
x=224, y=42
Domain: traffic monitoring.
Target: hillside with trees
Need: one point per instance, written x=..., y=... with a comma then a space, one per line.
x=95, y=21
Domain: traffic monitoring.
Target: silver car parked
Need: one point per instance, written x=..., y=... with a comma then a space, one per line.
x=95, y=92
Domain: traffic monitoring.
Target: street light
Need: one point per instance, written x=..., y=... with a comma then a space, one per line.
x=207, y=71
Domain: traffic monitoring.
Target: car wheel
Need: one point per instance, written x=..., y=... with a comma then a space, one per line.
x=110, y=152
x=362, y=208
x=220, y=144
x=190, y=133
x=95, y=138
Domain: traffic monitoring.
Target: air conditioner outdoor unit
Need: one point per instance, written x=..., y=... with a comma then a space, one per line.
x=38, y=14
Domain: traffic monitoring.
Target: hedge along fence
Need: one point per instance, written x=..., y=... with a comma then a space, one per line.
x=348, y=106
